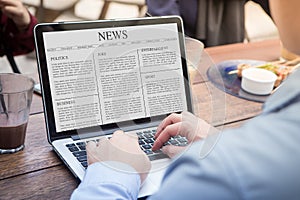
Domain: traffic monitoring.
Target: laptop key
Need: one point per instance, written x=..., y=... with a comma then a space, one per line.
x=79, y=153
x=149, y=140
x=83, y=148
x=82, y=158
x=139, y=133
x=183, y=144
x=70, y=145
x=148, y=151
x=165, y=144
x=80, y=143
x=157, y=151
x=141, y=142
x=141, y=137
x=174, y=142
x=148, y=135
x=146, y=146
x=182, y=140
x=147, y=131
x=73, y=149
x=84, y=164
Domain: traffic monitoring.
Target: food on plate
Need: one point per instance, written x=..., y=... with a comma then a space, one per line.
x=282, y=71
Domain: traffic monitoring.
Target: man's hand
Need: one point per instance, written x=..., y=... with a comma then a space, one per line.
x=15, y=10
x=185, y=124
x=122, y=148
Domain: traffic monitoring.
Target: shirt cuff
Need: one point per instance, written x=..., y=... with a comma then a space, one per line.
x=119, y=178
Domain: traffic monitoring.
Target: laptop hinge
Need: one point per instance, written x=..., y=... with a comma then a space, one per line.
x=92, y=134
x=99, y=133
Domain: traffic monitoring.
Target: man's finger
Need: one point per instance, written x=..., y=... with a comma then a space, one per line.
x=90, y=148
x=116, y=135
x=169, y=131
x=120, y=137
x=171, y=119
x=172, y=150
x=91, y=145
x=122, y=134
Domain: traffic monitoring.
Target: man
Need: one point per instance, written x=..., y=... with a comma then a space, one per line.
x=214, y=22
x=259, y=160
x=16, y=28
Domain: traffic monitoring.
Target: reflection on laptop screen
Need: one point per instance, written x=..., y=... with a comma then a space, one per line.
x=109, y=75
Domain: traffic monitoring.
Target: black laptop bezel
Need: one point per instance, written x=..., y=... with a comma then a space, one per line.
x=65, y=26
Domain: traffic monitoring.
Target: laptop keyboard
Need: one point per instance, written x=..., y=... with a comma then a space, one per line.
x=146, y=140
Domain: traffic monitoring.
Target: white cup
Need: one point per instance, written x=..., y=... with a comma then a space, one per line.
x=258, y=81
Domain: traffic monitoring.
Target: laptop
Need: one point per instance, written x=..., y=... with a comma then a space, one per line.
x=101, y=76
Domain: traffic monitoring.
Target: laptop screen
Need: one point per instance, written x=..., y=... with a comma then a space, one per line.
x=110, y=73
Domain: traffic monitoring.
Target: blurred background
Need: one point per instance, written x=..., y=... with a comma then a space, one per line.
x=258, y=25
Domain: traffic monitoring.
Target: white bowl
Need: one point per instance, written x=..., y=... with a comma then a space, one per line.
x=258, y=81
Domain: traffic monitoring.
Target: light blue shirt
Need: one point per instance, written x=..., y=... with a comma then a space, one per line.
x=260, y=160
x=103, y=181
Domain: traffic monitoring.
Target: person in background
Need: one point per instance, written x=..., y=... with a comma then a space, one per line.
x=16, y=28
x=213, y=22
x=259, y=160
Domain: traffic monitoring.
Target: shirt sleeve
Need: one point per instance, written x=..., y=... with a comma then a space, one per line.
x=161, y=8
x=20, y=42
x=108, y=180
x=192, y=176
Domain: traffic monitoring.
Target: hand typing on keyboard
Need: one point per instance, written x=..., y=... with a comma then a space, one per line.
x=186, y=125
x=120, y=147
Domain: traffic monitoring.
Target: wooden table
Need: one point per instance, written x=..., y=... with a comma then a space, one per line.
x=37, y=173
